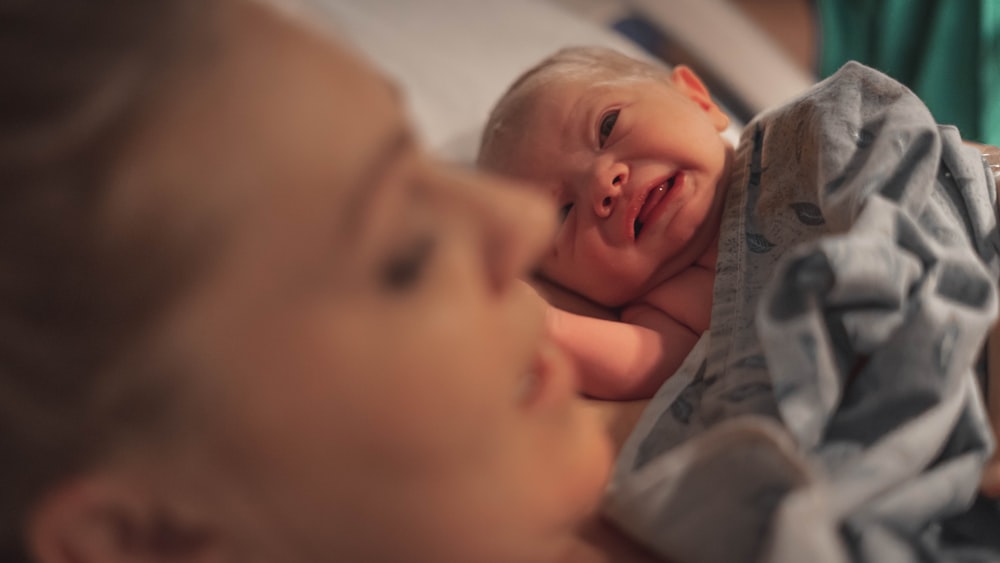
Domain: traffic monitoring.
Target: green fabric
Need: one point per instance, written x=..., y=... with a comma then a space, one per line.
x=947, y=51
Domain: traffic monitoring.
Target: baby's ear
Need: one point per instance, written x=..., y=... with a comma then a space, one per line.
x=685, y=80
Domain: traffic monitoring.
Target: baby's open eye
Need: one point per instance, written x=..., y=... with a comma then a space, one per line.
x=606, y=127
x=564, y=211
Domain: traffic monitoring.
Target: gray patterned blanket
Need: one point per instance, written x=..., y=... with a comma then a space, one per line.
x=834, y=411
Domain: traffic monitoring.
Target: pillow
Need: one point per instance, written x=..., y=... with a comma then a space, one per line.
x=454, y=58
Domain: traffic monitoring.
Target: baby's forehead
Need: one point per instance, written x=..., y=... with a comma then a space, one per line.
x=535, y=103
x=564, y=87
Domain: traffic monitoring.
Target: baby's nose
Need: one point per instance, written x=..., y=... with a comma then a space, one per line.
x=607, y=190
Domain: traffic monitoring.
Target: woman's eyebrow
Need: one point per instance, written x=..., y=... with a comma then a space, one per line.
x=391, y=148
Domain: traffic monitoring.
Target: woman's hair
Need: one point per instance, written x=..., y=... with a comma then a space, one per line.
x=596, y=65
x=76, y=80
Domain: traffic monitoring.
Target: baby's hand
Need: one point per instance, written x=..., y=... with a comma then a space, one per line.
x=614, y=360
x=989, y=485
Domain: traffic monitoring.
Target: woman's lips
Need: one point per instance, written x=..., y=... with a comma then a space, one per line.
x=653, y=197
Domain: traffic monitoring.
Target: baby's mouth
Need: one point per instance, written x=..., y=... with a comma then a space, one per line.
x=652, y=198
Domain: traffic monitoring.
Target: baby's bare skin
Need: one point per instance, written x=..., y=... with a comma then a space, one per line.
x=686, y=297
x=990, y=484
x=629, y=356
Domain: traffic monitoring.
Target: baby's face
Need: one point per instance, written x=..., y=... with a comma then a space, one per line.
x=635, y=167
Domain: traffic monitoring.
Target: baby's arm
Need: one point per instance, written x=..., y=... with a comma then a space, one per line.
x=623, y=360
x=990, y=484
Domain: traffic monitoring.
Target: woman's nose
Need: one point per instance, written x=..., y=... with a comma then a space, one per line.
x=513, y=225
x=606, y=188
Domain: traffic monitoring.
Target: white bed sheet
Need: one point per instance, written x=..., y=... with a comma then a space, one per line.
x=454, y=58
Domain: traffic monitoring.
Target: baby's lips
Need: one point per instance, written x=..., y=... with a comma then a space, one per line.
x=644, y=202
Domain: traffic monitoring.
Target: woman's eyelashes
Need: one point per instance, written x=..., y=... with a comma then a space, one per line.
x=405, y=266
x=564, y=212
x=606, y=127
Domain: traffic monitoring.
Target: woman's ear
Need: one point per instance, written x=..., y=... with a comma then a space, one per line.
x=685, y=80
x=100, y=519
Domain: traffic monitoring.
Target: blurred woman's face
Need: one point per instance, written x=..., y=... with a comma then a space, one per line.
x=373, y=382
